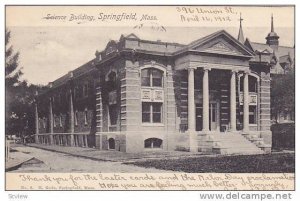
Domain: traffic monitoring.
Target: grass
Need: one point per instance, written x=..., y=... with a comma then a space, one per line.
x=266, y=163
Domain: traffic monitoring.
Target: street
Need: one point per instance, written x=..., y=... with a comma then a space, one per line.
x=47, y=161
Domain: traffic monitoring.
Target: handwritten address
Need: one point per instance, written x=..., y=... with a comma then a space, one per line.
x=147, y=181
x=206, y=14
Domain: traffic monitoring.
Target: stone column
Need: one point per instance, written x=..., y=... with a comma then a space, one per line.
x=191, y=110
x=71, y=119
x=246, y=103
x=191, y=100
x=205, y=91
x=36, y=137
x=50, y=121
x=86, y=140
x=233, y=101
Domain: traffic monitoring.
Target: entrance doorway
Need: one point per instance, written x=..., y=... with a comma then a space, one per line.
x=214, y=116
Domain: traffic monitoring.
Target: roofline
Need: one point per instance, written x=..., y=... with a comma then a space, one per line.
x=208, y=37
x=278, y=45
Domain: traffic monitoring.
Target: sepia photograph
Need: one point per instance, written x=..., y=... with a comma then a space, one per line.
x=203, y=92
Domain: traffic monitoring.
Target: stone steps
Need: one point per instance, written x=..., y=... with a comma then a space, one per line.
x=228, y=143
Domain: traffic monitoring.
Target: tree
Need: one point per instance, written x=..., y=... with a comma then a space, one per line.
x=19, y=95
x=283, y=94
x=12, y=75
x=12, y=72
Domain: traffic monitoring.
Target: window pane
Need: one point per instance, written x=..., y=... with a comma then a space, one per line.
x=252, y=114
x=156, y=73
x=157, y=82
x=146, y=107
x=146, y=112
x=157, y=143
x=146, y=117
x=156, y=78
x=156, y=118
x=252, y=84
x=145, y=77
x=146, y=81
x=148, y=143
x=156, y=108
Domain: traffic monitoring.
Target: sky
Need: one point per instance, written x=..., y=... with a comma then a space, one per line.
x=50, y=50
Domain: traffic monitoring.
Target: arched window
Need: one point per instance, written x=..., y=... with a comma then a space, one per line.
x=153, y=143
x=111, y=84
x=152, y=77
x=111, y=143
x=252, y=83
x=111, y=81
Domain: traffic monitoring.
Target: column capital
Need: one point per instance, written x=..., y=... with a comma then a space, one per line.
x=234, y=71
x=247, y=71
x=206, y=68
x=191, y=68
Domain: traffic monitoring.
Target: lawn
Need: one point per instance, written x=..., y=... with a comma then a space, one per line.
x=266, y=163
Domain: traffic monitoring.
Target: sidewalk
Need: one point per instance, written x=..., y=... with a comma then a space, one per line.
x=114, y=156
x=16, y=160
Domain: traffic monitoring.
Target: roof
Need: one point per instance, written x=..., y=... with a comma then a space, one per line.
x=76, y=73
x=282, y=50
x=212, y=36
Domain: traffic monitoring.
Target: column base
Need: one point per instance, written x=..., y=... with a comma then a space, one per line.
x=193, y=141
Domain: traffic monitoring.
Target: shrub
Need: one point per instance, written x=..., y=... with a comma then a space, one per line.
x=283, y=136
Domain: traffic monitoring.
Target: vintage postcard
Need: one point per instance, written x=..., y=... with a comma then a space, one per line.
x=150, y=97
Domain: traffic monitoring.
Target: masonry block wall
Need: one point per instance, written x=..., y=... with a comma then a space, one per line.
x=224, y=91
x=131, y=106
x=265, y=108
x=183, y=100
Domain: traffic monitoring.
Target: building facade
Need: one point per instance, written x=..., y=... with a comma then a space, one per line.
x=210, y=96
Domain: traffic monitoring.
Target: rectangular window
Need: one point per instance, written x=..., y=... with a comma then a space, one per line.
x=113, y=115
x=76, y=118
x=151, y=112
x=85, y=117
x=60, y=120
x=252, y=114
x=54, y=121
x=85, y=89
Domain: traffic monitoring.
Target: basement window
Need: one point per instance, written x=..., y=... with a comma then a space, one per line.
x=152, y=143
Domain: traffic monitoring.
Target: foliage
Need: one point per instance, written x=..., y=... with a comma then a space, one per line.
x=19, y=95
x=283, y=136
x=283, y=93
x=266, y=163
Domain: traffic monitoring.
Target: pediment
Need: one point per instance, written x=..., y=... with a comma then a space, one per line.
x=221, y=43
x=221, y=48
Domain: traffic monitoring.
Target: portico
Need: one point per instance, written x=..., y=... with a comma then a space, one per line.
x=210, y=106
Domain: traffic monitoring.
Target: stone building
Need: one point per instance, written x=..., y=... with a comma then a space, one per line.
x=211, y=95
